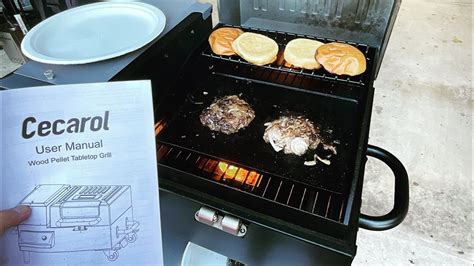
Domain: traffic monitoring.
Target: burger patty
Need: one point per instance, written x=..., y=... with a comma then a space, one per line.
x=228, y=114
x=292, y=134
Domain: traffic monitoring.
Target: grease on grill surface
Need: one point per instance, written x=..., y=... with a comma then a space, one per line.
x=228, y=115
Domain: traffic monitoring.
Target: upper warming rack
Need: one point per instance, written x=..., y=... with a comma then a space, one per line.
x=282, y=38
x=357, y=21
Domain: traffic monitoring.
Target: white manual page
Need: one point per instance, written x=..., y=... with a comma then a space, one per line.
x=83, y=158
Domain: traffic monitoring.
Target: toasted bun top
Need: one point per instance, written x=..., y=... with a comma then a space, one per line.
x=256, y=48
x=300, y=53
x=222, y=38
x=341, y=59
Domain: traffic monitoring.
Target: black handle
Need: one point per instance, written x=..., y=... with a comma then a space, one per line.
x=401, y=199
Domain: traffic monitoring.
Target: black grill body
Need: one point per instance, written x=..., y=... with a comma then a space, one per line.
x=317, y=205
x=261, y=246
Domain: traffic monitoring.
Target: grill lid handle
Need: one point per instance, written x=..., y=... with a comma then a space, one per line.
x=226, y=223
x=401, y=199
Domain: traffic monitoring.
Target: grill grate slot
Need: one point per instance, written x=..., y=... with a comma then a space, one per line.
x=272, y=189
x=327, y=208
x=261, y=186
x=188, y=156
x=335, y=213
x=161, y=152
x=282, y=67
x=309, y=201
x=296, y=196
x=323, y=201
x=285, y=192
x=302, y=199
x=210, y=166
x=201, y=162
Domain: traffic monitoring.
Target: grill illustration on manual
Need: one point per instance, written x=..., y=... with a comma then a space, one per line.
x=72, y=218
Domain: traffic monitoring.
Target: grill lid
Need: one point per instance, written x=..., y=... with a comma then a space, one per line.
x=361, y=21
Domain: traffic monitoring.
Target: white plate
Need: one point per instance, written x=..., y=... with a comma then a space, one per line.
x=94, y=32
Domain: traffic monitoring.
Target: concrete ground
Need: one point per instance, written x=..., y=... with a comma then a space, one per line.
x=423, y=115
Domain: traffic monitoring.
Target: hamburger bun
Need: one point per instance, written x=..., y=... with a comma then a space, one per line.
x=256, y=48
x=221, y=40
x=300, y=53
x=341, y=59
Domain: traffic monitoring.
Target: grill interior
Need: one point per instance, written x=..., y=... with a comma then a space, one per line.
x=242, y=168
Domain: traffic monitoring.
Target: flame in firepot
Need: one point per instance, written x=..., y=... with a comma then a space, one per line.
x=228, y=172
x=159, y=127
x=222, y=171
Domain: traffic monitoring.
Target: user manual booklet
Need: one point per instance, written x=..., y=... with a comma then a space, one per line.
x=83, y=158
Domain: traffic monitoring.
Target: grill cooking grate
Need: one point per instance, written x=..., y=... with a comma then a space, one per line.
x=336, y=119
x=279, y=65
x=291, y=194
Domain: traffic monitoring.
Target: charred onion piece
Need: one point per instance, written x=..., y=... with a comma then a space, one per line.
x=316, y=159
x=228, y=115
x=292, y=134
